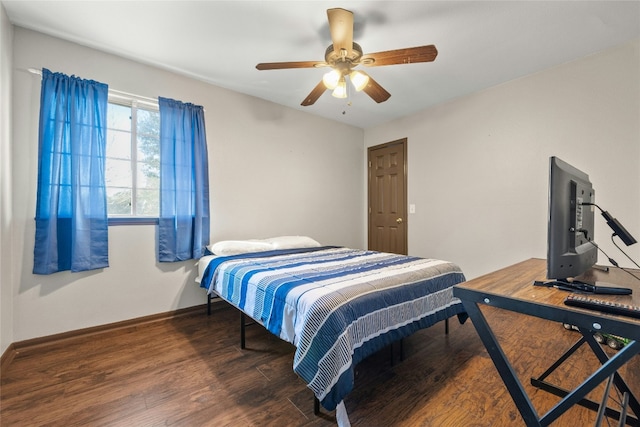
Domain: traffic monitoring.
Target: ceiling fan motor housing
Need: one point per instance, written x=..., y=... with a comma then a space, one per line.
x=343, y=60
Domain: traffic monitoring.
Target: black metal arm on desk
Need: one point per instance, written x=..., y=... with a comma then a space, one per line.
x=577, y=286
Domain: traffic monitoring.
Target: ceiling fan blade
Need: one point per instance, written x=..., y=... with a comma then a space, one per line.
x=408, y=55
x=314, y=95
x=341, y=28
x=283, y=65
x=374, y=90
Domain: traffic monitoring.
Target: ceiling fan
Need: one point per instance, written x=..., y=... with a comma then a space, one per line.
x=344, y=55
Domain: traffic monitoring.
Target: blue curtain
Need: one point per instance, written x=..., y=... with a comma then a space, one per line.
x=71, y=207
x=183, y=229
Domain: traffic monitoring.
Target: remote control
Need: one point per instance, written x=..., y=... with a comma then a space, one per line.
x=603, y=306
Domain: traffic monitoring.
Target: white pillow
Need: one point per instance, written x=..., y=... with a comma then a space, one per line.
x=236, y=247
x=292, y=242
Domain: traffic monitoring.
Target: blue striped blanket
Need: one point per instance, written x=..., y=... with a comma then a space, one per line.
x=336, y=305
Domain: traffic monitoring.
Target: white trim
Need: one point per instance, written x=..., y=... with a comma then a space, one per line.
x=124, y=98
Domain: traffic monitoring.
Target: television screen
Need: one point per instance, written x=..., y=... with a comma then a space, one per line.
x=571, y=249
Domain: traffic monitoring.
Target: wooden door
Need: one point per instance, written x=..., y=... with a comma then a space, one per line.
x=388, y=197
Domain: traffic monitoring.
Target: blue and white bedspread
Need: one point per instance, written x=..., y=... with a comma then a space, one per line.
x=336, y=305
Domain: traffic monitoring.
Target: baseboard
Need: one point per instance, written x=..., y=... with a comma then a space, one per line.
x=39, y=344
x=7, y=357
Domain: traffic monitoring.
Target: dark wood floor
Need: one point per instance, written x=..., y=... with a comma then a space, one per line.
x=190, y=371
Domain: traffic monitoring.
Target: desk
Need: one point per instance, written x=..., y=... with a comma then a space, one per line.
x=512, y=289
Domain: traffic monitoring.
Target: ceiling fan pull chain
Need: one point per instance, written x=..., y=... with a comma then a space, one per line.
x=347, y=101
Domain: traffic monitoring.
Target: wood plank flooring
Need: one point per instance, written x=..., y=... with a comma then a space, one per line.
x=190, y=371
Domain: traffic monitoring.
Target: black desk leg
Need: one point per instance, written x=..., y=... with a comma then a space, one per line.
x=617, y=379
x=508, y=375
x=607, y=369
x=587, y=337
x=541, y=383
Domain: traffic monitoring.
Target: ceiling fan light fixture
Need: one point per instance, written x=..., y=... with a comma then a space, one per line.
x=359, y=80
x=340, y=90
x=331, y=79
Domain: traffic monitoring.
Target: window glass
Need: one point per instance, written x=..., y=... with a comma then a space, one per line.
x=119, y=144
x=119, y=117
x=133, y=161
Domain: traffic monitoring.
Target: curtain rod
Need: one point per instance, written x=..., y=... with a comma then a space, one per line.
x=117, y=93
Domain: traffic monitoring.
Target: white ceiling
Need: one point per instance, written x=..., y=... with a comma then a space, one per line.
x=480, y=43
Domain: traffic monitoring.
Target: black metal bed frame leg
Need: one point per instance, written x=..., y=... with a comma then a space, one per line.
x=243, y=327
x=316, y=402
x=393, y=353
x=208, y=304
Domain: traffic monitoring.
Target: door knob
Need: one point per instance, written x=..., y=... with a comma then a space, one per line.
x=399, y=220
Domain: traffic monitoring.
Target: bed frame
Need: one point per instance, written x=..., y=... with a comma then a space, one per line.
x=244, y=323
x=336, y=305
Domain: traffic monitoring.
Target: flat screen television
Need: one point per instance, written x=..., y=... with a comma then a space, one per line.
x=571, y=250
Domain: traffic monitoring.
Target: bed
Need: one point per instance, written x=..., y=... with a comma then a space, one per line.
x=336, y=305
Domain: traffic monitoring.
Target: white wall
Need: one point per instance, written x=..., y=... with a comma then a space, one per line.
x=478, y=166
x=273, y=171
x=6, y=261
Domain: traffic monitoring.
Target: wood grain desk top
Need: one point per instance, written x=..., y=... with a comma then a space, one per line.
x=511, y=288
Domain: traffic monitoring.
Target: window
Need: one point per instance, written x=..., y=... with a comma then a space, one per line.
x=133, y=160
